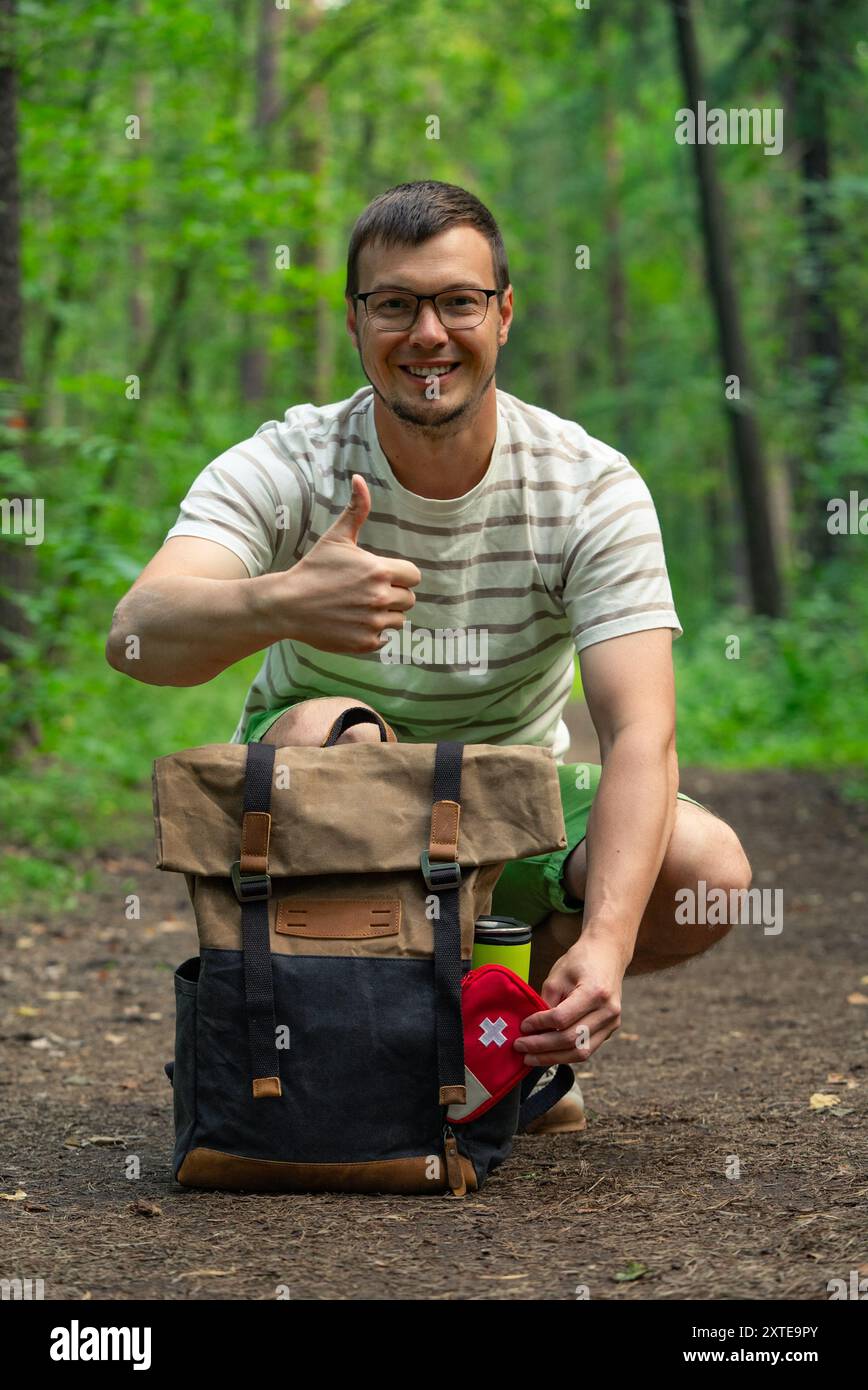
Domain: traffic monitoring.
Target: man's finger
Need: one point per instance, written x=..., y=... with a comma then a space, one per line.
x=577, y=1035
x=567, y=1053
x=571, y=1008
x=354, y=514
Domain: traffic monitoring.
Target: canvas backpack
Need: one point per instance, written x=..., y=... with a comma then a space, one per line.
x=318, y=1041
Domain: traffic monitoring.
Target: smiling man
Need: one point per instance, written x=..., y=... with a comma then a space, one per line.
x=433, y=499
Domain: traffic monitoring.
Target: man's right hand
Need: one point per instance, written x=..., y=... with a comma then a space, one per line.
x=340, y=598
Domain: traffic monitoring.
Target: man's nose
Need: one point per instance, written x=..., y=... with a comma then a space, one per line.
x=427, y=329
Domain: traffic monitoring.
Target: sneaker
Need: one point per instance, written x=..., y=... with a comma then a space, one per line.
x=566, y=1116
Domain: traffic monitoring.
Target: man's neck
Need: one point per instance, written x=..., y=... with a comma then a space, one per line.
x=444, y=462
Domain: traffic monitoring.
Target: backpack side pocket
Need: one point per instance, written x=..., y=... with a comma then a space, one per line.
x=184, y=1072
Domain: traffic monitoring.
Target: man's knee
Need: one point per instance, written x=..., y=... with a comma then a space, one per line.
x=705, y=864
x=309, y=722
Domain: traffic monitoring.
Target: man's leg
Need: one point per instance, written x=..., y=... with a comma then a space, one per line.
x=309, y=721
x=547, y=891
x=702, y=847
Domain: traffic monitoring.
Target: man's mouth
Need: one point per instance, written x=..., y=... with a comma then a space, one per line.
x=432, y=369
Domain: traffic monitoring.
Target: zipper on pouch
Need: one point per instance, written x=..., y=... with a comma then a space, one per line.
x=454, y=1170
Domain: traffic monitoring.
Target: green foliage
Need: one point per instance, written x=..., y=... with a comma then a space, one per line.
x=155, y=258
x=796, y=695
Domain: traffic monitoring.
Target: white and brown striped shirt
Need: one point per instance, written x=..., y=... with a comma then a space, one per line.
x=557, y=547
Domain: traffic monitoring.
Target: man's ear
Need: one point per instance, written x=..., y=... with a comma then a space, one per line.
x=506, y=311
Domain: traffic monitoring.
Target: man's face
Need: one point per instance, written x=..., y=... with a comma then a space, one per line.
x=458, y=258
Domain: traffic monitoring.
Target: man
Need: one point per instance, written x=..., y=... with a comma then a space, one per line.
x=429, y=501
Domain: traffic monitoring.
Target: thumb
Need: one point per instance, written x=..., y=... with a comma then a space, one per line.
x=354, y=515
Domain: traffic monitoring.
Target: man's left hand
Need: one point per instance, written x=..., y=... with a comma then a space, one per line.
x=584, y=991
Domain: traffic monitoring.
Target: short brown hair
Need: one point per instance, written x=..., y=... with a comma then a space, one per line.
x=410, y=213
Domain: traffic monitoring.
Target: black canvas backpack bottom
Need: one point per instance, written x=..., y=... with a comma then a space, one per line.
x=358, y=1110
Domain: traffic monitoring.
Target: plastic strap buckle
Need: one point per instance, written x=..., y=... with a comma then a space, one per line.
x=250, y=888
x=440, y=874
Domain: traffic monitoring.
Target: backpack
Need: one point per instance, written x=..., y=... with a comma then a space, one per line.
x=318, y=1037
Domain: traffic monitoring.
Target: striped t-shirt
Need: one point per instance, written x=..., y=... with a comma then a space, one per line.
x=556, y=547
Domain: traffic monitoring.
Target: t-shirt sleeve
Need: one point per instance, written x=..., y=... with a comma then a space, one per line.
x=614, y=569
x=254, y=499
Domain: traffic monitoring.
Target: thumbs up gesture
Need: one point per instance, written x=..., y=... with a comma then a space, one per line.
x=340, y=598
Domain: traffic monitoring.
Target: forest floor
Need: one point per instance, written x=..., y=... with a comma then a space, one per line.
x=716, y=1061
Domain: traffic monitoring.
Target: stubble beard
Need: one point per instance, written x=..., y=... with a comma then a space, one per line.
x=421, y=422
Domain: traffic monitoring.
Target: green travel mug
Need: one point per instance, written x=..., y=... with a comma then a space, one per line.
x=502, y=941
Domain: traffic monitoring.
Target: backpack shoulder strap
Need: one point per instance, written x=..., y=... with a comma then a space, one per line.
x=252, y=883
x=442, y=874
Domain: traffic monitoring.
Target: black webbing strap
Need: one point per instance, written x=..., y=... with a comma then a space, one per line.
x=533, y=1106
x=253, y=891
x=443, y=878
x=356, y=714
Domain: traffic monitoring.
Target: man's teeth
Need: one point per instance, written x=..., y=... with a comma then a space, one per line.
x=430, y=371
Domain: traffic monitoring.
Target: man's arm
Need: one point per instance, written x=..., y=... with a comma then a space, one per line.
x=630, y=690
x=194, y=610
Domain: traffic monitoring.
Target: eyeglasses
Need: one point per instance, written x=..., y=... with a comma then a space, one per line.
x=394, y=311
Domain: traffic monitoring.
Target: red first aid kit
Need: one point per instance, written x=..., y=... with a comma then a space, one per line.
x=494, y=1002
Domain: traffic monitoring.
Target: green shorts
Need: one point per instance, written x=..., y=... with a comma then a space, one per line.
x=528, y=889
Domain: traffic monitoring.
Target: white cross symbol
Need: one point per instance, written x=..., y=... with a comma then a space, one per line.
x=493, y=1032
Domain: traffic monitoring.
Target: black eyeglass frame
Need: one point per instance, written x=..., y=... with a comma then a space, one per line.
x=420, y=299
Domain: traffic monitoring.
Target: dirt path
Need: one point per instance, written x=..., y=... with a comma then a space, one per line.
x=716, y=1059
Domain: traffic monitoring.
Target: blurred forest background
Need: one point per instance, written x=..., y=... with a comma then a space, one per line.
x=154, y=155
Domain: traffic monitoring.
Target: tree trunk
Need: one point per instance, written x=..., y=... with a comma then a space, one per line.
x=253, y=365
x=16, y=558
x=615, y=279
x=137, y=310
x=820, y=339
x=747, y=449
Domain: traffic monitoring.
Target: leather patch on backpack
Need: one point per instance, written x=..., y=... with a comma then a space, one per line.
x=339, y=918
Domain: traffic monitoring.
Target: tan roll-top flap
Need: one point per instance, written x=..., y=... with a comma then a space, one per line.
x=354, y=807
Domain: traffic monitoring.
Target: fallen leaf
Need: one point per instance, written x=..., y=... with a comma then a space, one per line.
x=142, y=1208
x=34, y=1206
x=857, y=998
x=629, y=1037
x=54, y=995
x=837, y=1078
x=18, y=1196
x=170, y=925
x=155, y=1018
x=27, y=1011
x=205, y=1273
x=24, y=943
x=820, y=1100
x=844, y=1110
x=114, y=1038
x=634, y=1270
x=40, y=1043
x=106, y=1140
